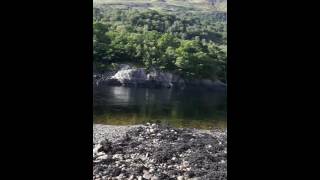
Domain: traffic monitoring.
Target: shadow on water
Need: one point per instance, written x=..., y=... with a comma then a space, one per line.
x=197, y=108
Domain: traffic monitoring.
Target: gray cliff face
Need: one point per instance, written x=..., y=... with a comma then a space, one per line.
x=128, y=75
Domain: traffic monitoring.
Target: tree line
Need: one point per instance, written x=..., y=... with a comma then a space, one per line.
x=192, y=45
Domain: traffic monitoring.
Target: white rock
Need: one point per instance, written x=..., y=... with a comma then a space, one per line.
x=135, y=74
x=96, y=148
x=151, y=170
x=147, y=175
x=121, y=176
x=102, y=157
x=154, y=178
x=180, y=178
x=117, y=156
x=100, y=153
x=185, y=163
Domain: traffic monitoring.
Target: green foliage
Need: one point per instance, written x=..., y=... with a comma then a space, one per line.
x=184, y=43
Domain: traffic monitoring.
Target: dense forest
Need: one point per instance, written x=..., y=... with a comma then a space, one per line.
x=191, y=44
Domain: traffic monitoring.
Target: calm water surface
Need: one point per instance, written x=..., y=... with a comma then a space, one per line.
x=197, y=108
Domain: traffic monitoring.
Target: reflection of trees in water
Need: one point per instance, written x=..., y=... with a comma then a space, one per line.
x=162, y=105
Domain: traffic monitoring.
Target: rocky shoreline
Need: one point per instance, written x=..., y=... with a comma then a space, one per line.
x=158, y=152
x=131, y=76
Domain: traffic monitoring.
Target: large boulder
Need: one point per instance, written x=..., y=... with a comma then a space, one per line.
x=135, y=75
x=131, y=76
x=164, y=79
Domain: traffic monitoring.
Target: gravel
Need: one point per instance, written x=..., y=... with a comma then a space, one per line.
x=156, y=152
x=110, y=132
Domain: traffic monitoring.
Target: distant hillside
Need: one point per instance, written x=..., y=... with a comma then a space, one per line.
x=168, y=5
x=220, y=5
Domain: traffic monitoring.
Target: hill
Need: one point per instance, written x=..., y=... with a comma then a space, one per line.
x=167, y=5
x=184, y=37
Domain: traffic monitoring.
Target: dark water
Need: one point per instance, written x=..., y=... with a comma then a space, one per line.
x=198, y=108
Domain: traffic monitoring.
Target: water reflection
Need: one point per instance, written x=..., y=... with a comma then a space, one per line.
x=180, y=108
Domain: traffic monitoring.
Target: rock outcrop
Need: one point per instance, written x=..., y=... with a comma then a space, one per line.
x=127, y=75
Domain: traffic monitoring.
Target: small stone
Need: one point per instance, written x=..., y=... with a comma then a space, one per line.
x=154, y=178
x=121, y=176
x=97, y=148
x=147, y=175
x=151, y=170
x=180, y=178
x=185, y=163
x=100, y=153
x=116, y=172
x=117, y=156
x=102, y=157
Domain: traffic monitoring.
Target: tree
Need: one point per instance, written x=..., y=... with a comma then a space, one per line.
x=193, y=44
